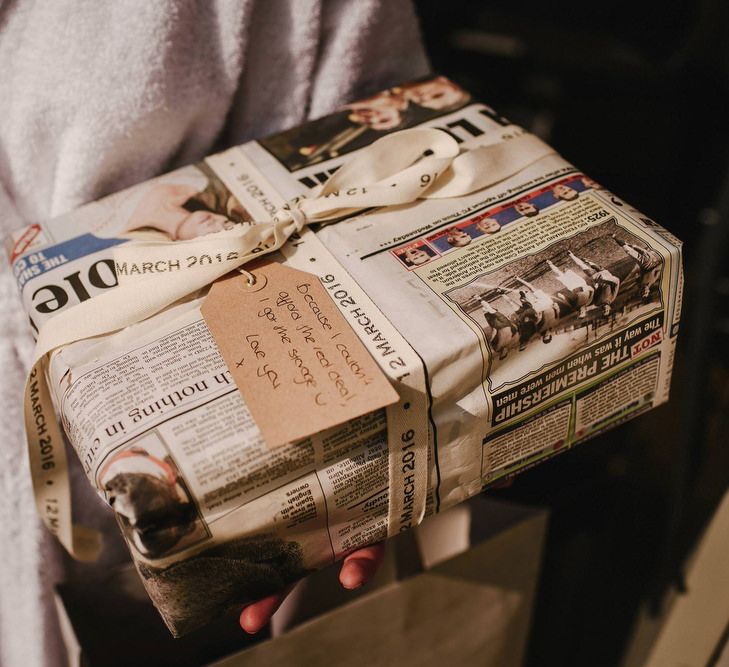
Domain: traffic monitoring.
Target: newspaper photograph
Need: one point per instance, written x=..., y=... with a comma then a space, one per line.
x=542, y=307
x=360, y=123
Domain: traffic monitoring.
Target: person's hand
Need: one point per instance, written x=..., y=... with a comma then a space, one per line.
x=357, y=569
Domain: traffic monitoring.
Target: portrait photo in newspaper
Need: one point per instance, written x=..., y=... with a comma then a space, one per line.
x=360, y=123
x=182, y=205
x=153, y=505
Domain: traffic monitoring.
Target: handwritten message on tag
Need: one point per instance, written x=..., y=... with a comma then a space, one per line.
x=297, y=362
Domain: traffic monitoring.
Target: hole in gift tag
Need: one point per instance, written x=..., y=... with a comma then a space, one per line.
x=254, y=282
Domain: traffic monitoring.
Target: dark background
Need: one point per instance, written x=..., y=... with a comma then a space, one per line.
x=637, y=95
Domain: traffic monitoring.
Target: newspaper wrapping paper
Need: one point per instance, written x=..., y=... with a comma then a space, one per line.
x=517, y=322
x=397, y=169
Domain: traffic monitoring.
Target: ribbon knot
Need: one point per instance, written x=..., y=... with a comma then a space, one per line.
x=297, y=215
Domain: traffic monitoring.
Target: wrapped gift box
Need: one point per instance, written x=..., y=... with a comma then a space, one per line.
x=513, y=322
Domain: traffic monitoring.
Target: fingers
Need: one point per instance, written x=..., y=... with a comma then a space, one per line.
x=257, y=615
x=357, y=569
x=360, y=566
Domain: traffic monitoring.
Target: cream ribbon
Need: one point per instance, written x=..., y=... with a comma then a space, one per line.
x=395, y=170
